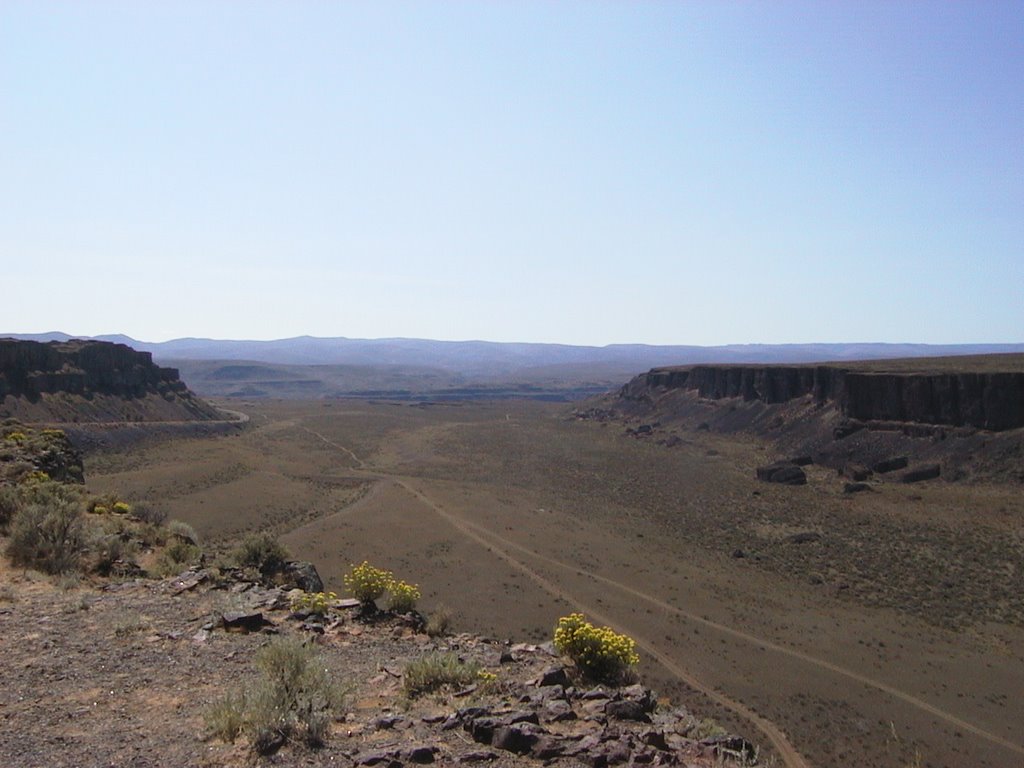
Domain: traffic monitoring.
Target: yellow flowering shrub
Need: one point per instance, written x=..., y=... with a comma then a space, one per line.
x=599, y=652
x=403, y=596
x=121, y=508
x=314, y=602
x=366, y=583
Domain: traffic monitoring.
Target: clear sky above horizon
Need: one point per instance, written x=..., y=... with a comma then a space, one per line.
x=575, y=172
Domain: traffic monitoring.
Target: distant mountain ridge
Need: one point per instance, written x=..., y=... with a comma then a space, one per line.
x=488, y=359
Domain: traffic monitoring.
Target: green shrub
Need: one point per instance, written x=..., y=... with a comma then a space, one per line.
x=366, y=583
x=436, y=671
x=10, y=502
x=145, y=513
x=46, y=531
x=105, y=550
x=226, y=716
x=183, y=531
x=263, y=552
x=440, y=621
x=599, y=652
x=178, y=555
x=294, y=696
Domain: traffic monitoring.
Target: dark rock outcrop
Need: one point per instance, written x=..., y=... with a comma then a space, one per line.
x=993, y=401
x=87, y=370
x=890, y=465
x=783, y=473
x=929, y=472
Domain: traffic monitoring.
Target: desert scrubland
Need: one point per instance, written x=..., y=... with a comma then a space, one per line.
x=893, y=635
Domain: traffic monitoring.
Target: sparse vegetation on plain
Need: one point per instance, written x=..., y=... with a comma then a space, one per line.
x=47, y=531
x=436, y=671
x=262, y=552
x=439, y=622
x=294, y=697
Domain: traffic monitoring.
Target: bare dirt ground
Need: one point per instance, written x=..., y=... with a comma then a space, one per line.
x=896, y=634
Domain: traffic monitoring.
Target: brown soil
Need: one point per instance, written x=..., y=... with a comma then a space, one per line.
x=898, y=631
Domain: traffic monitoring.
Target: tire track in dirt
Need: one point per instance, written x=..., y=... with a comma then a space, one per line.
x=359, y=462
x=767, y=644
x=790, y=756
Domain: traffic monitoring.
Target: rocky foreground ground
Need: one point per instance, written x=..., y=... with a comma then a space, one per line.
x=121, y=674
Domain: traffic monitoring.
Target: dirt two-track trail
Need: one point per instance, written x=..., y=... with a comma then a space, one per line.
x=519, y=558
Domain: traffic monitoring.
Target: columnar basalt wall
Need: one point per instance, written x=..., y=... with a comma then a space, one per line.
x=30, y=370
x=993, y=401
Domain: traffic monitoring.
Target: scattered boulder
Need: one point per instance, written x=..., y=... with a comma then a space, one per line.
x=856, y=487
x=553, y=676
x=801, y=461
x=243, y=621
x=420, y=754
x=519, y=738
x=890, y=465
x=304, y=576
x=856, y=472
x=626, y=709
x=845, y=429
x=928, y=472
x=783, y=473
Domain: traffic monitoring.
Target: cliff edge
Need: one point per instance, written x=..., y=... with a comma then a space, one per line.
x=980, y=399
x=965, y=414
x=91, y=381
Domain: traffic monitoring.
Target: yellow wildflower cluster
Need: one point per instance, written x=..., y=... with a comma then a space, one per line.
x=35, y=477
x=15, y=437
x=366, y=584
x=121, y=508
x=403, y=596
x=313, y=602
x=600, y=652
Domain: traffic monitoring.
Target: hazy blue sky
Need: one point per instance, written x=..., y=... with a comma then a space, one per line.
x=700, y=172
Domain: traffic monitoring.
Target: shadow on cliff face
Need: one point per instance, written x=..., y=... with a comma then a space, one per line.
x=970, y=424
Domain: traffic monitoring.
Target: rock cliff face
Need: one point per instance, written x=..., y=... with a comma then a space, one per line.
x=34, y=376
x=993, y=401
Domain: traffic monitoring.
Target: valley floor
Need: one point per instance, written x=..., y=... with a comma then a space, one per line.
x=896, y=633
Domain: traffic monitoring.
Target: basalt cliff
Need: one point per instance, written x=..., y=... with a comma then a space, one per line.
x=91, y=381
x=954, y=417
x=984, y=400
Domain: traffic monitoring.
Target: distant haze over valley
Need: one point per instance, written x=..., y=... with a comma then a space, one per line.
x=308, y=366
